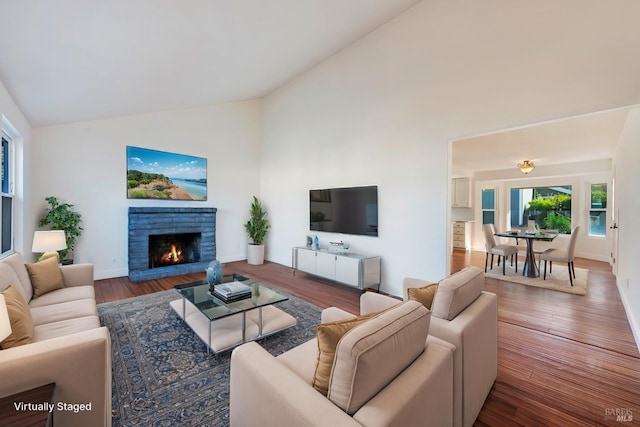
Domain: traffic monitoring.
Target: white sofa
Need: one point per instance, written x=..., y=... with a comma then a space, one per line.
x=69, y=347
x=376, y=379
x=467, y=317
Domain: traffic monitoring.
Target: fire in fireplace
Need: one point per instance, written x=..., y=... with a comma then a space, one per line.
x=172, y=249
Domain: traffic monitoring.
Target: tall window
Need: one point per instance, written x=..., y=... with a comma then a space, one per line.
x=6, y=208
x=550, y=207
x=598, y=210
x=488, y=206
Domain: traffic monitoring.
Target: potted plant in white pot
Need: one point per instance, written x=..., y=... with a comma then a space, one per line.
x=256, y=227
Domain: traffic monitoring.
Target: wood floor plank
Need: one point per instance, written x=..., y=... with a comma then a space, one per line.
x=563, y=360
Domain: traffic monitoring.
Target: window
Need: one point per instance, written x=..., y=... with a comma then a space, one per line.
x=598, y=210
x=6, y=206
x=550, y=207
x=488, y=206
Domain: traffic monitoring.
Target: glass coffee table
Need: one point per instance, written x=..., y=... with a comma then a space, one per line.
x=225, y=325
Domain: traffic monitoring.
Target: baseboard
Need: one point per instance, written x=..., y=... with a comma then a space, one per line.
x=232, y=258
x=109, y=274
x=633, y=322
x=594, y=257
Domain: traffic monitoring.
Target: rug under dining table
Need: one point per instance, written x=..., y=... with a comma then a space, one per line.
x=556, y=281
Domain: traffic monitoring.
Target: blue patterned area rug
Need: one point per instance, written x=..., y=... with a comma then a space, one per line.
x=162, y=374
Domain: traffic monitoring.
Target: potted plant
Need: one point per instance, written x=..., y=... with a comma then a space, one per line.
x=61, y=216
x=256, y=227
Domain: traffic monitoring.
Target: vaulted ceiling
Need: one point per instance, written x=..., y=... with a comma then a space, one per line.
x=72, y=60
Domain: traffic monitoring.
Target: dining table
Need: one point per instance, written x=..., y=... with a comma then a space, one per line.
x=530, y=268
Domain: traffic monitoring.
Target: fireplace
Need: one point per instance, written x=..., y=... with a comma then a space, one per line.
x=165, y=242
x=172, y=249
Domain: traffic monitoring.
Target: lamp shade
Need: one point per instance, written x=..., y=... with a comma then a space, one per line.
x=5, y=324
x=45, y=241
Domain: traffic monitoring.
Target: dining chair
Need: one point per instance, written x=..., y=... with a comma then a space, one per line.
x=492, y=248
x=562, y=255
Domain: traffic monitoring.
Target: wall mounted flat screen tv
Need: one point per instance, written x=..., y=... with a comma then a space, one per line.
x=352, y=210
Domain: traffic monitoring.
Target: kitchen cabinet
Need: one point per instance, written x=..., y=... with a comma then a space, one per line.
x=460, y=197
x=461, y=237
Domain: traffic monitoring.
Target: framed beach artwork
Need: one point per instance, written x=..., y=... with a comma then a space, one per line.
x=160, y=175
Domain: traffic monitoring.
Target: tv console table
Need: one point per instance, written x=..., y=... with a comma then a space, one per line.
x=347, y=268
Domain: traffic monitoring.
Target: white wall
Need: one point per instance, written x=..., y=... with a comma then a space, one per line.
x=579, y=175
x=85, y=164
x=20, y=130
x=383, y=111
x=627, y=203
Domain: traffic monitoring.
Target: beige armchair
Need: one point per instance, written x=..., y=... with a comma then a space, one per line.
x=467, y=317
x=370, y=386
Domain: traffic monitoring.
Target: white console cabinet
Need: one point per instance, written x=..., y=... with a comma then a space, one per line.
x=347, y=268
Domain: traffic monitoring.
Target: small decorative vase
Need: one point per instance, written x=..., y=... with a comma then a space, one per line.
x=214, y=273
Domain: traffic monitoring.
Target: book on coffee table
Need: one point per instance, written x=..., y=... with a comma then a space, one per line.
x=232, y=291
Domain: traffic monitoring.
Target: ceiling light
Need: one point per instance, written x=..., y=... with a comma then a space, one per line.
x=526, y=166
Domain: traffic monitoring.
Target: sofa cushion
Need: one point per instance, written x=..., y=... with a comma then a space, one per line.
x=371, y=355
x=8, y=277
x=45, y=276
x=65, y=327
x=328, y=335
x=63, y=311
x=20, y=319
x=457, y=291
x=423, y=295
x=16, y=262
x=64, y=295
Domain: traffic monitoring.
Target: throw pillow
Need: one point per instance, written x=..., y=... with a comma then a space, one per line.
x=423, y=295
x=20, y=319
x=45, y=276
x=329, y=334
x=50, y=254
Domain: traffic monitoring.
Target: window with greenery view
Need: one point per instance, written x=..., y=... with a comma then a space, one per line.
x=488, y=206
x=598, y=210
x=550, y=207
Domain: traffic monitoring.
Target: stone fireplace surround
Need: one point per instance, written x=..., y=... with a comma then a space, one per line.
x=149, y=221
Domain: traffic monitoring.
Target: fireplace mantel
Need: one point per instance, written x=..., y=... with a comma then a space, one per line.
x=151, y=221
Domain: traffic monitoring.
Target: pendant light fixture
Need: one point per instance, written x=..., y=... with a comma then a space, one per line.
x=526, y=166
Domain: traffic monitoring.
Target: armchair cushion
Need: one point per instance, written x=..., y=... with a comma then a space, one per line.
x=370, y=356
x=457, y=291
x=423, y=295
x=329, y=334
x=20, y=319
x=45, y=276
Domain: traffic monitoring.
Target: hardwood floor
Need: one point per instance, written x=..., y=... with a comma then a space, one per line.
x=563, y=360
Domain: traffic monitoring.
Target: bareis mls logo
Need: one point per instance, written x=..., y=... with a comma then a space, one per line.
x=618, y=414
